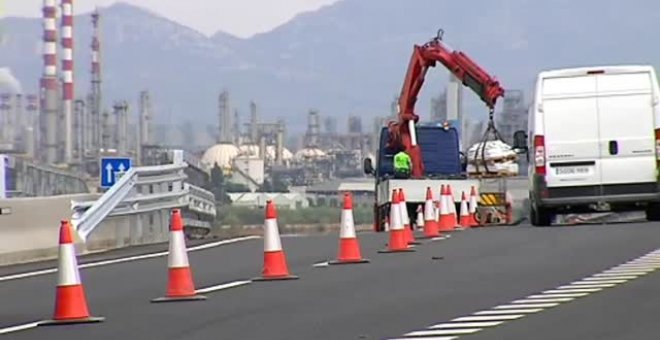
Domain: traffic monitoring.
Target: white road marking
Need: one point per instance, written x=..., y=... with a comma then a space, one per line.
x=621, y=273
x=546, y=296
x=444, y=332
x=628, y=270
x=546, y=300
x=591, y=285
x=576, y=290
x=489, y=317
x=604, y=278
x=126, y=259
x=604, y=282
x=531, y=305
x=222, y=286
x=509, y=311
x=321, y=264
x=19, y=327
x=466, y=324
x=429, y=338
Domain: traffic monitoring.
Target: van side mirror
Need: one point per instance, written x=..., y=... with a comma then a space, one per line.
x=520, y=141
x=368, y=167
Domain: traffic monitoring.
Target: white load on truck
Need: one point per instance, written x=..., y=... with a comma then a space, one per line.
x=496, y=157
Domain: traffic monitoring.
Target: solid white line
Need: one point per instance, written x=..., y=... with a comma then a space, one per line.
x=444, y=332
x=428, y=338
x=546, y=300
x=531, y=305
x=509, y=311
x=467, y=324
x=126, y=259
x=550, y=296
x=222, y=286
x=564, y=291
x=599, y=282
x=19, y=327
x=489, y=317
x=604, y=278
x=583, y=286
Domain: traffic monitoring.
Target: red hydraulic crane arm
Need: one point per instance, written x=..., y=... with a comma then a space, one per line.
x=460, y=65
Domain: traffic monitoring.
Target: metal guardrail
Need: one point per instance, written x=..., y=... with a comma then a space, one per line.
x=144, y=190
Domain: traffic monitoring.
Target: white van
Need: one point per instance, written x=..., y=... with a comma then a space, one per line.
x=593, y=141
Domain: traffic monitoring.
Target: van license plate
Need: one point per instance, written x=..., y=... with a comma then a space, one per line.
x=573, y=170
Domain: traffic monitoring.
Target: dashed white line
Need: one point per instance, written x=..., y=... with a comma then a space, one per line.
x=429, y=338
x=530, y=305
x=576, y=290
x=19, y=327
x=467, y=324
x=619, y=274
x=545, y=300
x=444, y=332
x=509, y=311
x=568, y=295
x=583, y=286
x=604, y=282
x=605, y=278
x=489, y=317
x=127, y=259
x=222, y=286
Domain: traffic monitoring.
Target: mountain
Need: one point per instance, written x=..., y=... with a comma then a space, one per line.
x=346, y=58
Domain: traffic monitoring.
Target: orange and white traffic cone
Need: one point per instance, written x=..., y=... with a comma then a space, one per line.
x=452, y=206
x=180, y=285
x=70, y=300
x=465, y=220
x=446, y=222
x=473, y=207
x=419, y=221
x=349, y=246
x=430, y=222
x=275, y=266
x=410, y=235
x=398, y=241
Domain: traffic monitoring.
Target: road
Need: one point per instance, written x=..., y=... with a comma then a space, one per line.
x=473, y=271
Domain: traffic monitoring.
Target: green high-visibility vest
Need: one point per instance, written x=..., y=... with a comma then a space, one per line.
x=402, y=161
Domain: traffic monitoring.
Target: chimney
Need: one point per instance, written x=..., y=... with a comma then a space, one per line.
x=67, y=77
x=49, y=85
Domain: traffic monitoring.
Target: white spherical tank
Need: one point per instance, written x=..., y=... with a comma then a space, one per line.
x=223, y=154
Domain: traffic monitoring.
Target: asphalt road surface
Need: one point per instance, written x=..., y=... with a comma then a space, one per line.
x=468, y=275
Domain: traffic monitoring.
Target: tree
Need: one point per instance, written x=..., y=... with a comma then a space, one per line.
x=217, y=185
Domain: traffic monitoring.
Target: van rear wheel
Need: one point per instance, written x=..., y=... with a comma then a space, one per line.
x=653, y=212
x=540, y=217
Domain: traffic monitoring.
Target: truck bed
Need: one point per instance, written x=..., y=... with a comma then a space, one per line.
x=415, y=189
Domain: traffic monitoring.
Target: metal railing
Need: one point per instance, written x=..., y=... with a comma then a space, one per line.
x=143, y=190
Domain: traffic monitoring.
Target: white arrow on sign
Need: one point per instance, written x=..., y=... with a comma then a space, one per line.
x=122, y=170
x=108, y=171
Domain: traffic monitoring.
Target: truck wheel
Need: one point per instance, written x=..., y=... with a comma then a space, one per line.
x=540, y=217
x=653, y=212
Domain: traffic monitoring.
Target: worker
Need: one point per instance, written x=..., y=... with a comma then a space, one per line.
x=402, y=164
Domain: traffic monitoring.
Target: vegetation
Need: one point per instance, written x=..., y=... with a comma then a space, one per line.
x=239, y=216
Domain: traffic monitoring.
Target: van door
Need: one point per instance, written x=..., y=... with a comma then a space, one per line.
x=570, y=119
x=626, y=129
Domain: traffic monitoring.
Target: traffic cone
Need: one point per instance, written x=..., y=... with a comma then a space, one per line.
x=349, y=247
x=70, y=300
x=398, y=241
x=430, y=223
x=452, y=206
x=419, y=221
x=446, y=222
x=275, y=266
x=473, y=207
x=180, y=285
x=410, y=236
x=465, y=220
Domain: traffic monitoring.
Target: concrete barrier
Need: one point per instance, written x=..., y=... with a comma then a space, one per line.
x=29, y=228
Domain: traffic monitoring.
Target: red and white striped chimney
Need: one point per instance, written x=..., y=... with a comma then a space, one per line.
x=67, y=77
x=49, y=83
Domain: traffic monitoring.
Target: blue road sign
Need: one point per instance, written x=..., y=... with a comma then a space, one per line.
x=112, y=169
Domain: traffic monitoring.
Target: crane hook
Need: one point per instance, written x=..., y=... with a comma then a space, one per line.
x=440, y=34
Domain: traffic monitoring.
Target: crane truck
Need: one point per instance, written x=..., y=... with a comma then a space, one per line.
x=434, y=149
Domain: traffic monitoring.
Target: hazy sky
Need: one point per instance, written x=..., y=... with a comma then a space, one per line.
x=239, y=17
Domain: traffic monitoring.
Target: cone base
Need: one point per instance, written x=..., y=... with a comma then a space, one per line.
x=90, y=319
x=334, y=262
x=179, y=298
x=414, y=242
x=276, y=278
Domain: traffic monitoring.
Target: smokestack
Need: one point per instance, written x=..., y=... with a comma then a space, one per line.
x=67, y=77
x=32, y=136
x=224, y=118
x=6, y=133
x=79, y=129
x=237, y=129
x=49, y=84
x=144, y=125
x=121, y=132
x=254, y=132
x=96, y=104
x=279, y=143
x=19, y=121
x=313, y=129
